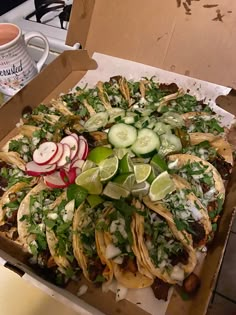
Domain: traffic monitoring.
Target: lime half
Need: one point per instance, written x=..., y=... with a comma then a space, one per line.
x=142, y=172
x=125, y=180
x=108, y=168
x=99, y=154
x=121, y=152
x=90, y=180
x=161, y=187
x=94, y=200
x=115, y=191
x=159, y=163
x=87, y=165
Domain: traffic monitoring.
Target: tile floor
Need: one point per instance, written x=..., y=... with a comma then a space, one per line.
x=224, y=297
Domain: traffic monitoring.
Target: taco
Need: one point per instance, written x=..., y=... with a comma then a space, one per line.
x=204, y=180
x=59, y=234
x=117, y=241
x=32, y=217
x=213, y=149
x=203, y=122
x=162, y=247
x=183, y=209
x=14, y=185
x=88, y=246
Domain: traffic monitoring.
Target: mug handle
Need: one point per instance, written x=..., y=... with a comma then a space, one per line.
x=42, y=60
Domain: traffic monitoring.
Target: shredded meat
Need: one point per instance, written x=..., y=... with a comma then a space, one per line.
x=223, y=167
x=205, y=187
x=95, y=268
x=199, y=234
x=5, y=227
x=191, y=283
x=129, y=264
x=181, y=257
x=160, y=289
x=172, y=88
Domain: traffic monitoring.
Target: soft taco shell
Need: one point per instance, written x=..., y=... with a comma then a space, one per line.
x=129, y=279
x=220, y=144
x=78, y=221
x=160, y=208
x=5, y=198
x=163, y=275
x=183, y=159
x=13, y=158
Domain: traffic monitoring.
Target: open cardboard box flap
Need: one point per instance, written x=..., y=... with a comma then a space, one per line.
x=195, y=39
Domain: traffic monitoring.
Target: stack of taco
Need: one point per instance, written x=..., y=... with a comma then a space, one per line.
x=135, y=239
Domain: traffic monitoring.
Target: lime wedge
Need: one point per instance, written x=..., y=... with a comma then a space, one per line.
x=140, y=190
x=125, y=180
x=94, y=200
x=142, y=172
x=99, y=154
x=152, y=175
x=87, y=165
x=121, y=152
x=108, y=168
x=161, y=187
x=159, y=163
x=90, y=180
x=115, y=191
x=126, y=164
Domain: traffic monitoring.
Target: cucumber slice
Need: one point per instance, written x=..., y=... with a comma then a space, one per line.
x=116, y=114
x=169, y=144
x=122, y=135
x=147, y=143
x=96, y=122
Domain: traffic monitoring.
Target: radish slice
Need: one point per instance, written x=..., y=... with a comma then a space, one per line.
x=64, y=176
x=83, y=149
x=54, y=181
x=65, y=158
x=75, y=136
x=45, y=152
x=68, y=177
x=72, y=143
x=77, y=163
x=33, y=169
x=58, y=155
x=72, y=174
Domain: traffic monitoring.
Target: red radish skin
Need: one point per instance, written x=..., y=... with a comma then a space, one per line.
x=72, y=143
x=45, y=152
x=83, y=149
x=33, y=169
x=68, y=177
x=75, y=136
x=58, y=154
x=65, y=159
x=54, y=181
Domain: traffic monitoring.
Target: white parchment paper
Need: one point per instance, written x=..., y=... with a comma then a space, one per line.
x=109, y=66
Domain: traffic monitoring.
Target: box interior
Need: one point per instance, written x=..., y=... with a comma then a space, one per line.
x=61, y=75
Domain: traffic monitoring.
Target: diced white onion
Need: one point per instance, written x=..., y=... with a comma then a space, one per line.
x=118, y=260
x=112, y=251
x=173, y=164
x=82, y=290
x=52, y=216
x=195, y=212
x=177, y=273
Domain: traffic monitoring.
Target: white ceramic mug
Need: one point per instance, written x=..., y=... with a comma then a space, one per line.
x=17, y=67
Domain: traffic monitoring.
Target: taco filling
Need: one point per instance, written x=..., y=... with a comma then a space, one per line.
x=203, y=184
x=84, y=244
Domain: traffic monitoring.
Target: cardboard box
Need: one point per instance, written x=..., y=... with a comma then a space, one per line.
x=194, y=38
x=59, y=77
